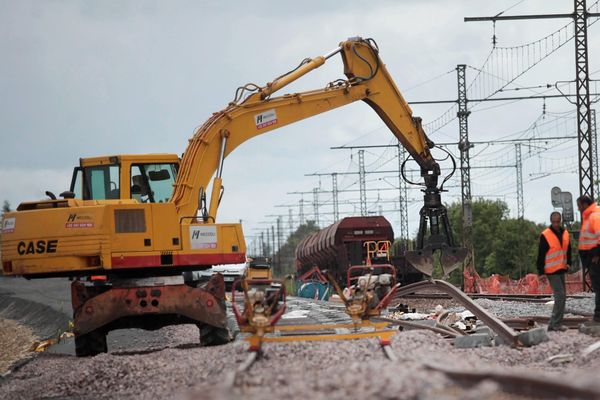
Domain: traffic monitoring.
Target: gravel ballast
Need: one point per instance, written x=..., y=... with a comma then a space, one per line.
x=16, y=343
x=179, y=368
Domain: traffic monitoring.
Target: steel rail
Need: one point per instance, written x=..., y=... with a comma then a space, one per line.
x=439, y=323
x=231, y=380
x=521, y=382
x=389, y=353
x=493, y=322
x=415, y=325
x=528, y=321
x=506, y=297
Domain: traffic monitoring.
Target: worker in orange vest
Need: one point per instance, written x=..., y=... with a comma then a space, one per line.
x=554, y=259
x=589, y=246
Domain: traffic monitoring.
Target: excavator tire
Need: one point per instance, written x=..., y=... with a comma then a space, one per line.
x=213, y=336
x=90, y=344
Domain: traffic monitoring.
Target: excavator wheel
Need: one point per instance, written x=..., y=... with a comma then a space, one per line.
x=213, y=336
x=90, y=344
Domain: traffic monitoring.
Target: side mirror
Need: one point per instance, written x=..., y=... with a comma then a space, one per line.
x=67, y=195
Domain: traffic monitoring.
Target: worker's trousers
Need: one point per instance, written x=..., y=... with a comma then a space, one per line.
x=594, y=270
x=557, y=282
x=595, y=278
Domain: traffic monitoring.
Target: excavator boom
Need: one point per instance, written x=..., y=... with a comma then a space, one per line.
x=367, y=79
x=260, y=112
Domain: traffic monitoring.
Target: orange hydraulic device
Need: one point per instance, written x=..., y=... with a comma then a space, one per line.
x=120, y=220
x=265, y=302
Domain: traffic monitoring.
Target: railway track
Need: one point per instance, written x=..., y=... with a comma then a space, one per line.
x=510, y=383
x=407, y=365
x=533, y=298
x=253, y=357
x=520, y=383
x=505, y=328
x=501, y=328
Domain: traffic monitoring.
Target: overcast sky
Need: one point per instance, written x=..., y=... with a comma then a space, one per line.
x=86, y=78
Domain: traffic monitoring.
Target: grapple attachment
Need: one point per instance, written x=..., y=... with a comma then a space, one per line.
x=435, y=235
x=421, y=260
x=450, y=259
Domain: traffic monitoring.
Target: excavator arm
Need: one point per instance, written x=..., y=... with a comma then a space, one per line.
x=260, y=112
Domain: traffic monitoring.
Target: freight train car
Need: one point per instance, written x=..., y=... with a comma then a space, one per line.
x=342, y=245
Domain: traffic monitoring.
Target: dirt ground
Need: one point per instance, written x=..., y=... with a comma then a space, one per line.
x=15, y=343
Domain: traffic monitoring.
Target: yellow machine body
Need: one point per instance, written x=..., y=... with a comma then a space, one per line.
x=73, y=236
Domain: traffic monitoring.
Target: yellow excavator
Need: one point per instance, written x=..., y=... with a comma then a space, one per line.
x=132, y=224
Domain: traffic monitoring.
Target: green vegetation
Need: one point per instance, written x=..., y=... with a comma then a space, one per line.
x=287, y=251
x=503, y=245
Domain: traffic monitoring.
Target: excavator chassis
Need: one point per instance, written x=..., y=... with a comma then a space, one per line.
x=102, y=306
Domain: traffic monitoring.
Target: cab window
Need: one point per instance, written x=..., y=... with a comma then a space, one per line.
x=101, y=183
x=152, y=183
x=77, y=183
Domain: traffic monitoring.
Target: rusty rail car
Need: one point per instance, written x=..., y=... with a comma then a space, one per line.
x=342, y=244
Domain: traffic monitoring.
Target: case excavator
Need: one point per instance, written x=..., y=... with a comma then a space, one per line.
x=131, y=225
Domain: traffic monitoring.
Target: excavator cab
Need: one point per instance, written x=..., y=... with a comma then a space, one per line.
x=145, y=178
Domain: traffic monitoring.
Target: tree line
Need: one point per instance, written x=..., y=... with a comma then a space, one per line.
x=502, y=245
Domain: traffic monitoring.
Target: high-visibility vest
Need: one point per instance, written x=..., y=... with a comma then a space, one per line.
x=556, y=256
x=589, y=236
